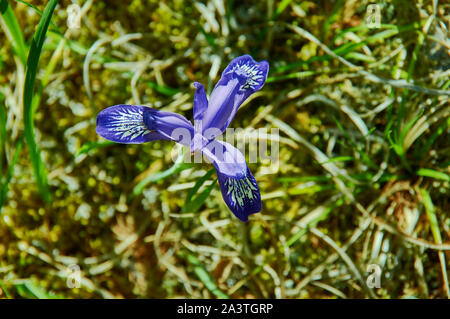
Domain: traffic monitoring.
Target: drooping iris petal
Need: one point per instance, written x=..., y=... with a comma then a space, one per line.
x=125, y=124
x=239, y=188
x=241, y=78
x=133, y=124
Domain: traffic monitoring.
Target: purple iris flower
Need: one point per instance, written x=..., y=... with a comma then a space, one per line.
x=132, y=124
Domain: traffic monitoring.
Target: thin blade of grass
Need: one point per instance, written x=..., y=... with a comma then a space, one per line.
x=360, y=57
x=32, y=65
x=280, y=8
x=13, y=31
x=2, y=286
x=39, y=12
x=363, y=154
x=345, y=49
x=312, y=219
x=163, y=89
x=30, y=290
x=209, y=38
x=192, y=203
x=205, y=278
x=312, y=189
x=91, y=146
x=304, y=179
x=177, y=167
x=426, y=172
x=333, y=16
x=340, y=159
x=198, y=184
x=2, y=135
x=401, y=142
x=434, y=224
x=420, y=152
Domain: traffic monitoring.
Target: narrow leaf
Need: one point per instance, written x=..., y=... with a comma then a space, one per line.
x=195, y=189
x=32, y=65
x=91, y=146
x=13, y=31
x=204, y=277
x=193, y=204
x=426, y=172
x=177, y=167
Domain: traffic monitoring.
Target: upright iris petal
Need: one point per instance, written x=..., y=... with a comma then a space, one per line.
x=241, y=78
x=133, y=124
x=200, y=107
x=200, y=102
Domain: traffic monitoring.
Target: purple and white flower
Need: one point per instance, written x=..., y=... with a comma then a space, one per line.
x=139, y=124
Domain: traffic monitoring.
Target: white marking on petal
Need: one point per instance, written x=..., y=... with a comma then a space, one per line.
x=127, y=121
x=251, y=71
x=241, y=190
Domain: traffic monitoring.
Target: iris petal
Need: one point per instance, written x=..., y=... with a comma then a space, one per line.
x=200, y=101
x=171, y=125
x=125, y=124
x=241, y=194
x=239, y=188
x=200, y=107
x=134, y=124
x=241, y=78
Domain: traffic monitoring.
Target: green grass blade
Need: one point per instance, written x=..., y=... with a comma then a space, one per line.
x=91, y=146
x=426, y=172
x=345, y=49
x=290, y=179
x=162, y=89
x=193, y=204
x=14, y=32
x=431, y=215
x=339, y=159
x=198, y=201
x=2, y=286
x=434, y=225
x=2, y=135
x=316, y=188
x=333, y=16
x=2, y=65
x=204, y=277
x=280, y=8
x=32, y=65
x=312, y=223
x=39, y=12
x=177, y=167
x=209, y=38
x=198, y=184
x=366, y=159
x=32, y=291
x=294, y=75
x=424, y=149
x=359, y=57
